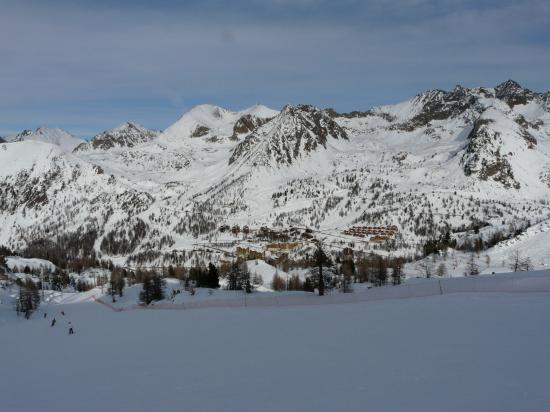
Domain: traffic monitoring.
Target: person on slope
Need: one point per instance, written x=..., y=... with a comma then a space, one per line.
x=53, y=322
x=71, y=331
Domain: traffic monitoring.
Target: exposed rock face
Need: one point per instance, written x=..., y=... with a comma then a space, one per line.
x=200, y=131
x=126, y=135
x=439, y=105
x=512, y=93
x=294, y=133
x=483, y=156
x=247, y=124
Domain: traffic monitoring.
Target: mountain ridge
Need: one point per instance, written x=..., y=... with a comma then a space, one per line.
x=442, y=161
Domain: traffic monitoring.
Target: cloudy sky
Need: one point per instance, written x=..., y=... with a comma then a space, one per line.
x=87, y=65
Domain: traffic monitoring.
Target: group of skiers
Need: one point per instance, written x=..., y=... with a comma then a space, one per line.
x=54, y=321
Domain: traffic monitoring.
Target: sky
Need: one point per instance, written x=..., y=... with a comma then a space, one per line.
x=87, y=66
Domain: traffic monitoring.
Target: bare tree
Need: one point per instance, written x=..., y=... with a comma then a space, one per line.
x=515, y=261
x=397, y=271
x=441, y=270
x=426, y=268
x=518, y=263
x=472, y=267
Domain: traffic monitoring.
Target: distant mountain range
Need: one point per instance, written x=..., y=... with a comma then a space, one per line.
x=470, y=161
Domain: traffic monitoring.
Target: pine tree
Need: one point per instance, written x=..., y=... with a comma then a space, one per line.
x=348, y=273
x=308, y=285
x=233, y=278
x=29, y=298
x=321, y=259
x=213, y=277
x=248, y=285
x=3, y=264
x=112, y=289
x=245, y=278
x=158, y=285
x=117, y=283
x=146, y=294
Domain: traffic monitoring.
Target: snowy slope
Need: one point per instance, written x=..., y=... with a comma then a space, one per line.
x=54, y=136
x=478, y=352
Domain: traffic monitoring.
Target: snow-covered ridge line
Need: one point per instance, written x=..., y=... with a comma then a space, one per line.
x=55, y=136
x=471, y=162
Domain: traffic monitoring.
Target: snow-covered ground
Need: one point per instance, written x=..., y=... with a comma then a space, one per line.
x=16, y=262
x=532, y=244
x=475, y=352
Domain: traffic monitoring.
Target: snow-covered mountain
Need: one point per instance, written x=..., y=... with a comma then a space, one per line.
x=128, y=134
x=297, y=131
x=66, y=141
x=470, y=161
x=215, y=123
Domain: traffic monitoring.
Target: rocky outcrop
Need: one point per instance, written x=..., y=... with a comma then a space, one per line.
x=439, y=105
x=512, y=93
x=483, y=157
x=294, y=133
x=126, y=135
x=247, y=124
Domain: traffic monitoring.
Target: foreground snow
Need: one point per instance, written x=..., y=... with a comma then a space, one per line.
x=454, y=353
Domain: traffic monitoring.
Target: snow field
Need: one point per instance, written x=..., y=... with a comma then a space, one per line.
x=454, y=353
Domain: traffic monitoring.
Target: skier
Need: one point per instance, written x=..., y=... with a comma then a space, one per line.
x=45, y=315
x=63, y=313
x=71, y=331
x=53, y=322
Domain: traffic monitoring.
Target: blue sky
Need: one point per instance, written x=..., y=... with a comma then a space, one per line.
x=87, y=66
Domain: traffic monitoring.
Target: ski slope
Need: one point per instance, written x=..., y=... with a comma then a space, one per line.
x=454, y=353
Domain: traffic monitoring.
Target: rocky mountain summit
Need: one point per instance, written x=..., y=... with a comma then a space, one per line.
x=128, y=134
x=294, y=133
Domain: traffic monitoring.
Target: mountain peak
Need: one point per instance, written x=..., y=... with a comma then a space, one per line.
x=56, y=136
x=211, y=122
x=128, y=134
x=513, y=93
x=207, y=111
x=261, y=111
x=509, y=85
x=294, y=133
